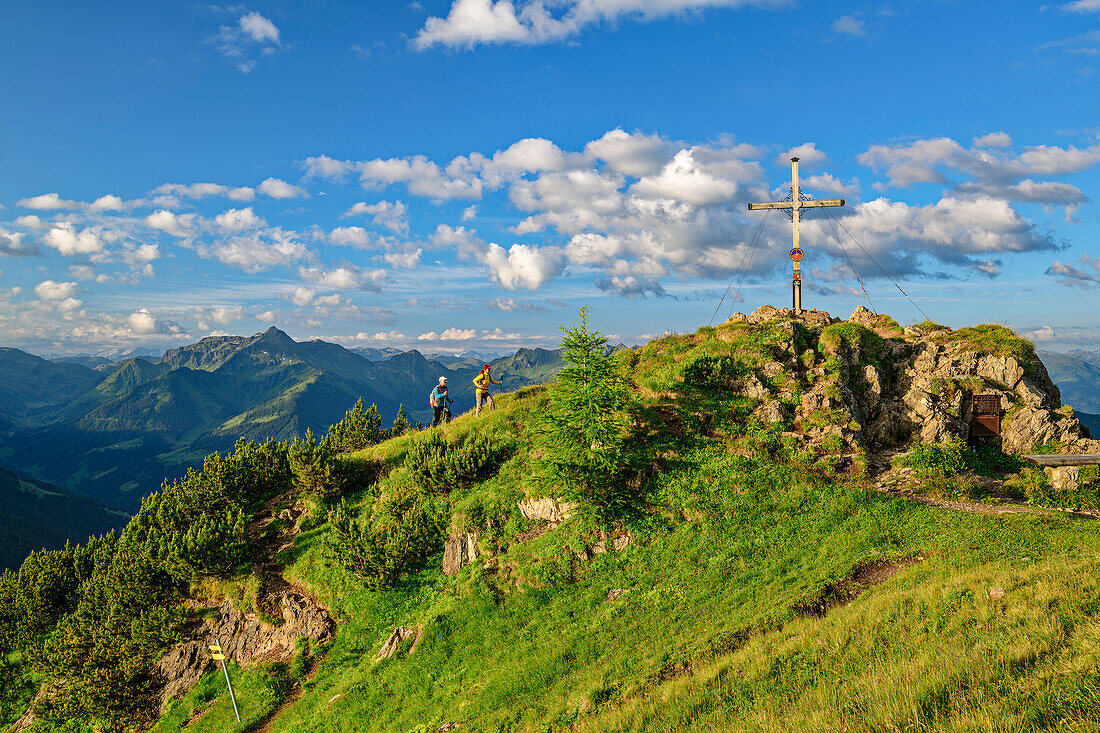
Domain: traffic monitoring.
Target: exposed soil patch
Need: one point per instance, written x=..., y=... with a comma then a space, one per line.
x=861, y=577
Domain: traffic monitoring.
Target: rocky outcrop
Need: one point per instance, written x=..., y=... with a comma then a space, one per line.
x=397, y=639
x=245, y=638
x=459, y=551
x=810, y=317
x=547, y=510
x=902, y=386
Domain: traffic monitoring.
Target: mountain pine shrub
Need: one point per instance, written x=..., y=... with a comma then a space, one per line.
x=313, y=467
x=405, y=528
x=438, y=466
x=358, y=430
x=582, y=435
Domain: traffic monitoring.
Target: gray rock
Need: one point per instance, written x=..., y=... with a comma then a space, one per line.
x=548, y=510
x=1002, y=370
x=1031, y=394
x=397, y=638
x=755, y=388
x=774, y=411
x=459, y=551
x=863, y=317
x=773, y=369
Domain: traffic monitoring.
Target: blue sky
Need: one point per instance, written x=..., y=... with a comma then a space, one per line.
x=454, y=174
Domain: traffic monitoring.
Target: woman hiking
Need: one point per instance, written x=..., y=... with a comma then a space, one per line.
x=481, y=383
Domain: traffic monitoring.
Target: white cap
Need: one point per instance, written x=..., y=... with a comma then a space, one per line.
x=442, y=380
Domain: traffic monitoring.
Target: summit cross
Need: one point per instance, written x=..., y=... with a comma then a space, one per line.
x=796, y=204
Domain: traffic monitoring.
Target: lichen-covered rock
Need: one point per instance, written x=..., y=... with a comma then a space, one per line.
x=863, y=317
x=1002, y=370
x=774, y=411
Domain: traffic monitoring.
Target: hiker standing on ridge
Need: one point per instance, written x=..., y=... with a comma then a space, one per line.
x=439, y=400
x=481, y=382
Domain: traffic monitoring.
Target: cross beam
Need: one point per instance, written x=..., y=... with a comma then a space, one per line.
x=795, y=205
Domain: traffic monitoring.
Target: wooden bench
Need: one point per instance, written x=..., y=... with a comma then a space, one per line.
x=1064, y=471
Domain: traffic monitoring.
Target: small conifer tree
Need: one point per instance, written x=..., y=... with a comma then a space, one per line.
x=583, y=432
x=400, y=423
x=358, y=430
x=312, y=465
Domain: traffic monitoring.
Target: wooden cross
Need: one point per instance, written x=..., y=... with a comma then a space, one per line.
x=796, y=204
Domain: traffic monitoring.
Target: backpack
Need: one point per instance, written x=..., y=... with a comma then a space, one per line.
x=431, y=399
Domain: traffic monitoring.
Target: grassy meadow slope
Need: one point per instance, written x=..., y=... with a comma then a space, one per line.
x=758, y=584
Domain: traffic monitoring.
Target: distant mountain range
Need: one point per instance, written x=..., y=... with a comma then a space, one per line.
x=1077, y=375
x=114, y=430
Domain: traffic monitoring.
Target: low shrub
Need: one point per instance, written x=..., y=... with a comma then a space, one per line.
x=438, y=466
x=406, y=527
x=712, y=371
x=948, y=458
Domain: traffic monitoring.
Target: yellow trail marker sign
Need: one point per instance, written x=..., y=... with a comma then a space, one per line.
x=216, y=654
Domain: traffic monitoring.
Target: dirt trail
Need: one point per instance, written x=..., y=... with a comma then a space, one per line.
x=903, y=483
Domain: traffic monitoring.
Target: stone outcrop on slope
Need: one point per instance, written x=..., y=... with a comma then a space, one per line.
x=245, y=638
x=881, y=387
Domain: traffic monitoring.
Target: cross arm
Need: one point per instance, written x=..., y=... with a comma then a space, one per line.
x=801, y=204
x=826, y=202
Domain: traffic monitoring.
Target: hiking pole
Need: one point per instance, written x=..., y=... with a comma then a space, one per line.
x=216, y=648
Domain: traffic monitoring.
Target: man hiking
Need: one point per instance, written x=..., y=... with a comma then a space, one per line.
x=481, y=383
x=439, y=400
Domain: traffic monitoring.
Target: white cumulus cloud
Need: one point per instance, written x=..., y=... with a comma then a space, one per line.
x=180, y=226
x=238, y=220
x=473, y=22
x=51, y=290
x=142, y=321
x=280, y=189
x=522, y=265
x=68, y=241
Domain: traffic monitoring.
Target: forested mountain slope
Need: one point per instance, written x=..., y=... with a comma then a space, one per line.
x=36, y=516
x=713, y=532
x=128, y=428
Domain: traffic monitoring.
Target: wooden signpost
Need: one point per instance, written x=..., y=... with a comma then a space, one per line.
x=797, y=202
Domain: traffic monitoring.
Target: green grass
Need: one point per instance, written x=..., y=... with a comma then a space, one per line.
x=741, y=534
x=207, y=707
x=997, y=340
x=866, y=342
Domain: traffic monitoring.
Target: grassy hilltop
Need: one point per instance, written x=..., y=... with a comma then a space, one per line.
x=733, y=574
